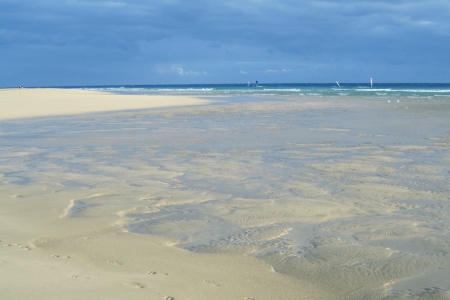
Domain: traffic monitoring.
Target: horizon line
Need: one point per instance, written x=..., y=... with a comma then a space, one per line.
x=225, y=84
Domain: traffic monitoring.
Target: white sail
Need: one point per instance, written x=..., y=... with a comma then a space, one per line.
x=338, y=84
x=371, y=82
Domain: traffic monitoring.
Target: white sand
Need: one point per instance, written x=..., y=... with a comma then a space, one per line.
x=26, y=103
x=273, y=200
x=46, y=257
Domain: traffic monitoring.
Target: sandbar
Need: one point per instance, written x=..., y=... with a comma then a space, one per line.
x=40, y=102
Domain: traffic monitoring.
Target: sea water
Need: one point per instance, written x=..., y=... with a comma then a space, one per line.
x=424, y=91
x=351, y=191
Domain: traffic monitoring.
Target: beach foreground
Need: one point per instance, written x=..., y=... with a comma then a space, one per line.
x=293, y=198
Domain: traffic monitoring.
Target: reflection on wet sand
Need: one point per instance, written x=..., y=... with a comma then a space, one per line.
x=350, y=198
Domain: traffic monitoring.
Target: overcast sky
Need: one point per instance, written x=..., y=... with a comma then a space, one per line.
x=93, y=42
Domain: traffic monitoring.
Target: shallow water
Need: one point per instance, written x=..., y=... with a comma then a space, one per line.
x=350, y=195
x=381, y=91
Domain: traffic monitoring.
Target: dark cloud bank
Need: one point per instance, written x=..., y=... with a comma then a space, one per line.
x=48, y=42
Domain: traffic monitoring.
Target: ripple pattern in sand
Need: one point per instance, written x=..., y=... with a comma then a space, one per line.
x=325, y=193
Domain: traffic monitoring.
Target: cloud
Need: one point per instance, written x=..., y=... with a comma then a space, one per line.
x=277, y=71
x=135, y=36
x=183, y=72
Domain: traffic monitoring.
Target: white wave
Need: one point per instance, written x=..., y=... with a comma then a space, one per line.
x=283, y=90
x=425, y=91
x=404, y=90
x=182, y=89
x=113, y=89
x=342, y=89
x=375, y=90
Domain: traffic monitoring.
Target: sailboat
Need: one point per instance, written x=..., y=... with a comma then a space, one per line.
x=371, y=82
x=338, y=84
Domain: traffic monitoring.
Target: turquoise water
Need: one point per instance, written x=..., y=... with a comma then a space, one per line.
x=430, y=91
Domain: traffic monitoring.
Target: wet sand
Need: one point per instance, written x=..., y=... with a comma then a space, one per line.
x=293, y=198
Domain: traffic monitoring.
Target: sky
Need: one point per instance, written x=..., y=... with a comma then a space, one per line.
x=95, y=42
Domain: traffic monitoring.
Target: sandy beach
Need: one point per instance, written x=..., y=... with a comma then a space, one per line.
x=109, y=196
x=28, y=103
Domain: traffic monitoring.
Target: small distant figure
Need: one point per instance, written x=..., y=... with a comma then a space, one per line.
x=256, y=83
x=20, y=87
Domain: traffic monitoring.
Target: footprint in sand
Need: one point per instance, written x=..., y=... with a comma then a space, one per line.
x=59, y=256
x=169, y=298
x=18, y=245
x=115, y=262
x=154, y=273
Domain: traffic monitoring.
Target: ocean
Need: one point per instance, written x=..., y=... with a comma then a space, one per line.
x=382, y=91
